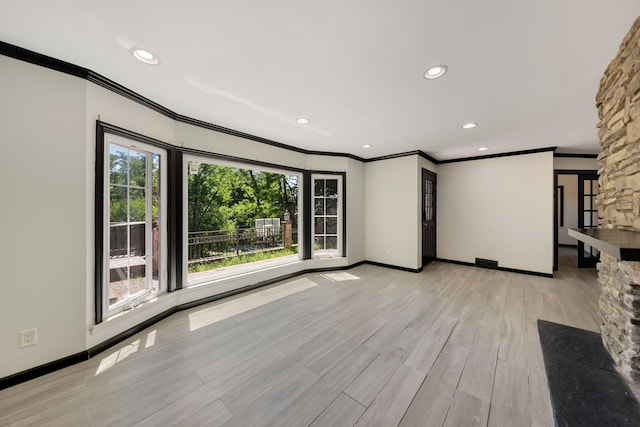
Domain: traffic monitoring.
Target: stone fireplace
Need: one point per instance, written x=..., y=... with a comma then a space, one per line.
x=618, y=102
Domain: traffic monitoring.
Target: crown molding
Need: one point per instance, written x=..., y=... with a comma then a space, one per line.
x=576, y=155
x=39, y=59
x=493, y=156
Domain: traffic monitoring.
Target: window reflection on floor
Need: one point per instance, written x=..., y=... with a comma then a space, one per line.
x=119, y=355
x=246, y=302
x=340, y=277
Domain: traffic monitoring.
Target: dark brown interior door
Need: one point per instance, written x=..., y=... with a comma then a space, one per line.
x=587, y=217
x=428, y=216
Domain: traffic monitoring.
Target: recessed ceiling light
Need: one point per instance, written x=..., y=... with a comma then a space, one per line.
x=303, y=121
x=482, y=149
x=145, y=56
x=469, y=125
x=436, y=72
x=366, y=146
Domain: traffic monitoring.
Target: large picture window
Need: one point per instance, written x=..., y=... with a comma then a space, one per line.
x=238, y=218
x=135, y=223
x=327, y=216
x=169, y=218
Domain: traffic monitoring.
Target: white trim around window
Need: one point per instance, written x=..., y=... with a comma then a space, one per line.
x=327, y=216
x=134, y=223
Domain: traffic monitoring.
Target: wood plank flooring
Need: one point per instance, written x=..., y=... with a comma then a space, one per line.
x=451, y=346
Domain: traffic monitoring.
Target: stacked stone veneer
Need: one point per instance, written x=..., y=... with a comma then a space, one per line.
x=618, y=103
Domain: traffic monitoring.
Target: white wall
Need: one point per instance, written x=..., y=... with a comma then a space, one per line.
x=575, y=163
x=499, y=209
x=198, y=138
x=391, y=203
x=570, y=183
x=356, y=211
x=42, y=220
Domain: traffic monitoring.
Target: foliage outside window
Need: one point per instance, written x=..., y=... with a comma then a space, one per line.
x=238, y=217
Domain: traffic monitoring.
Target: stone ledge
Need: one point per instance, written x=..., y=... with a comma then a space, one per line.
x=623, y=245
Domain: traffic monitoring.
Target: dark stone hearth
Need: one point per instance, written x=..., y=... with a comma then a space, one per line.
x=585, y=388
x=576, y=345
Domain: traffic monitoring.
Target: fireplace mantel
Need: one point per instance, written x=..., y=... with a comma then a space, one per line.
x=623, y=245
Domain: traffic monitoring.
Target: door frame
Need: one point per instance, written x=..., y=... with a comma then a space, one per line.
x=557, y=172
x=434, y=177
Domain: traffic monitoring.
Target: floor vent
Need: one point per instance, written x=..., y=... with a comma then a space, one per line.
x=486, y=263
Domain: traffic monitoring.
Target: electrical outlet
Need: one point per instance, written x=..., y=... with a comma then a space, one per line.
x=28, y=337
x=389, y=253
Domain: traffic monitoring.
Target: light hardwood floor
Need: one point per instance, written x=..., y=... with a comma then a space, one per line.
x=451, y=346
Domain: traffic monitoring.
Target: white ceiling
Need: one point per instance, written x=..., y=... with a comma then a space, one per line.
x=526, y=71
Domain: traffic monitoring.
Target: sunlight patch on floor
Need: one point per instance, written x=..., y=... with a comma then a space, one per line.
x=118, y=356
x=111, y=360
x=151, y=339
x=218, y=312
x=340, y=277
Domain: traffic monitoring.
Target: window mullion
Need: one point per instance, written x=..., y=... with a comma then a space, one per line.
x=308, y=210
x=149, y=222
x=128, y=223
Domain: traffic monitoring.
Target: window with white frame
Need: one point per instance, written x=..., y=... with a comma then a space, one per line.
x=134, y=241
x=327, y=216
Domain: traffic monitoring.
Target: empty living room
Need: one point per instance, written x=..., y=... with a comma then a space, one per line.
x=333, y=214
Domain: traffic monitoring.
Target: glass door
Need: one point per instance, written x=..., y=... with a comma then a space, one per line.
x=588, y=188
x=133, y=233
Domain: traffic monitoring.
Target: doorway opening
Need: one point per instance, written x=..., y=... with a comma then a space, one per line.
x=574, y=197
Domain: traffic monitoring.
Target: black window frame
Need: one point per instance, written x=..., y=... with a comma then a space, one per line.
x=176, y=271
x=173, y=280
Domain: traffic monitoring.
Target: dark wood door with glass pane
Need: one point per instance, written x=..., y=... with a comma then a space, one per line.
x=428, y=216
x=587, y=217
